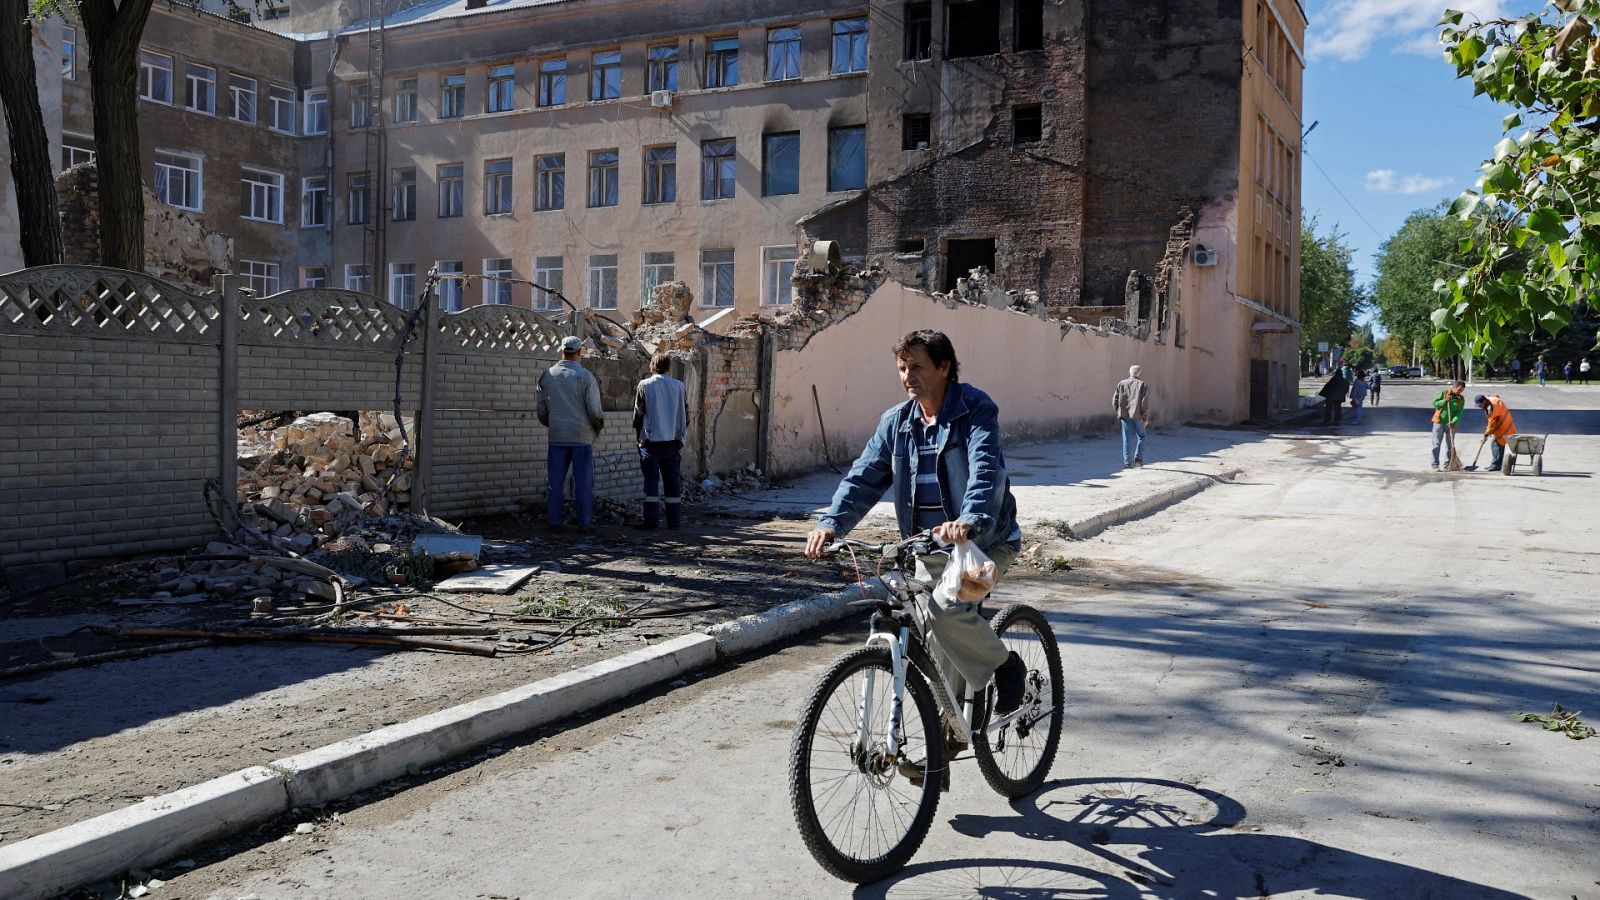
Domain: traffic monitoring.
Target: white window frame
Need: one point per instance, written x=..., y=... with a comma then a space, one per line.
x=453, y=187
x=396, y=207
x=266, y=189
x=148, y=67
x=776, y=289
x=358, y=277
x=71, y=153
x=277, y=97
x=546, y=197
x=709, y=271
x=237, y=91
x=197, y=174
x=360, y=106
x=189, y=82
x=661, y=175
x=452, y=291
x=455, y=94
x=397, y=279
x=605, y=182
x=405, y=101
x=542, y=274
x=790, y=64
x=309, y=205
x=654, y=273
x=314, y=107
x=499, y=188
x=602, y=281
x=850, y=40
x=498, y=293
x=265, y=278
x=307, y=279
x=365, y=207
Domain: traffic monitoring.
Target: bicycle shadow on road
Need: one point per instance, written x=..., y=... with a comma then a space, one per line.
x=1175, y=840
x=1008, y=879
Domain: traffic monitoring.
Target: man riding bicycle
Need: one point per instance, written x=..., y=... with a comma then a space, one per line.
x=940, y=452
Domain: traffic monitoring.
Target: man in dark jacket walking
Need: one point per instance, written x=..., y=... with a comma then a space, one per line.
x=1333, y=394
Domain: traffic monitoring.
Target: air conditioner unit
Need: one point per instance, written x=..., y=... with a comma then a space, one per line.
x=1204, y=256
x=661, y=99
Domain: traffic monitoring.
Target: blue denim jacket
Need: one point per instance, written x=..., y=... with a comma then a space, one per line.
x=972, y=471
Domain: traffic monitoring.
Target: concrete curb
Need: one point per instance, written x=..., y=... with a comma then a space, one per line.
x=161, y=828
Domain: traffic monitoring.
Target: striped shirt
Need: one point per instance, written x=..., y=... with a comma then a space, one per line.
x=929, y=497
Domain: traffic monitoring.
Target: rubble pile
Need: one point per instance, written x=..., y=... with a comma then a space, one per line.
x=316, y=478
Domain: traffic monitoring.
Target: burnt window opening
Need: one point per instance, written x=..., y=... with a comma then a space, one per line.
x=962, y=256
x=972, y=28
x=911, y=245
x=916, y=132
x=1029, y=25
x=919, y=30
x=1027, y=124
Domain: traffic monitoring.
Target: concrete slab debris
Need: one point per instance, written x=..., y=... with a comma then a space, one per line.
x=494, y=578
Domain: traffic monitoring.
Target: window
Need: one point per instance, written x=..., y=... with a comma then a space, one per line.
x=403, y=284
x=1027, y=124
x=603, y=281
x=551, y=172
x=314, y=202
x=603, y=178
x=316, y=112
x=661, y=174
x=452, y=190
x=911, y=245
x=972, y=28
x=69, y=54
x=313, y=276
x=358, y=278
x=1029, y=24
x=242, y=99
x=405, y=100
x=178, y=180
x=916, y=132
x=722, y=61
x=547, y=272
x=552, y=82
x=261, y=277
x=281, y=99
x=716, y=275
x=662, y=67
x=76, y=149
x=262, y=199
x=200, y=88
x=155, y=77
x=962, y=256
x=405, y=194
x=453, y=96
x=497, y=292
x=717, y=160
x=450, y=289
x=780, y=164
x=783, y=53
x=360, y=106
x=605, y=75
x=777, y=270
x=497, y=187
x=502, y=88
x=847, y=158
x=358, y=198
x=919, y=30
x=659, y=268
x=849, y=45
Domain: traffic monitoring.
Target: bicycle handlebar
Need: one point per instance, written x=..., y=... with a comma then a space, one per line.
x=839, y=545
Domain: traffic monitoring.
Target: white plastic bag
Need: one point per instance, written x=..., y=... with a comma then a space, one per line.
x=969, y=576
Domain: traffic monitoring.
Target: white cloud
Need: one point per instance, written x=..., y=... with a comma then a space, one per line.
x=1387, y=181
x=1346, y=29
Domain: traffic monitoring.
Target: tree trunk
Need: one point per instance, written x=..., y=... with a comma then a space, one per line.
x=112, y=33
x=31, y=171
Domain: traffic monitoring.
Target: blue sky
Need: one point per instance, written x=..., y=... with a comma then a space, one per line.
x=1397, y=131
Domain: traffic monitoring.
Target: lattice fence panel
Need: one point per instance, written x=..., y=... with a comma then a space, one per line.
x=320, y=316
x=97, y=301
x=506, y=329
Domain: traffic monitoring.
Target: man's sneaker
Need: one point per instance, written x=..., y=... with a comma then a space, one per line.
x=1010, y=681
x=1138, y=463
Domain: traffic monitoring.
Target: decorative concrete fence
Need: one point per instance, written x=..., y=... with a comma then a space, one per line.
x=119, y=396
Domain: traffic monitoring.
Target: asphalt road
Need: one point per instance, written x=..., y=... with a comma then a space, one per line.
x=1303, y=684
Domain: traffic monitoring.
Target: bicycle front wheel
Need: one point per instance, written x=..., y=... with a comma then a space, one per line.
x=1016, y=759
x=859, y=810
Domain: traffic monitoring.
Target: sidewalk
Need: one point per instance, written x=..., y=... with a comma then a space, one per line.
x=351, y=719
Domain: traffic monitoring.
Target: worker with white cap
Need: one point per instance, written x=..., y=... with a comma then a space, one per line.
x=569, y=406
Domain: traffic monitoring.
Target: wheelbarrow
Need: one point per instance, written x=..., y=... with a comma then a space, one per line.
x=1529, y=445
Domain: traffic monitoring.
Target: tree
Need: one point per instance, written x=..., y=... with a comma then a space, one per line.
x=1423, y=251
x=30, y=143
x=112, y=30
x=1329, y=297
x=1538, y=193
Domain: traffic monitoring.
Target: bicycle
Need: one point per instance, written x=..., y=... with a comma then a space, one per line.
x=857, y=733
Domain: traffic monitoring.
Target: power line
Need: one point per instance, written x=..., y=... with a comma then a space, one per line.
x=1336, y=190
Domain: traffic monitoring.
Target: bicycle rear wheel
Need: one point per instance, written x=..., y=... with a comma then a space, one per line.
x=859, y=815
x=1016, y=759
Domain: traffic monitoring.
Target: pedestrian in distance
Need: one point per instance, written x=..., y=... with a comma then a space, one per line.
x=1497, y=422
x=1131, y=402
x=1447, y=409
x=1516, y=370
x=1377, y=385
x=1358, y=394
x=1583, y=371
x=1566, y=369
x=569, y=406
x=1541, y=369
x=1333, y=394
x=939, y=456
x=661, y=422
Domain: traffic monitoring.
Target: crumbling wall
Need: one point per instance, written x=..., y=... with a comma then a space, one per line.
x=178, y=247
